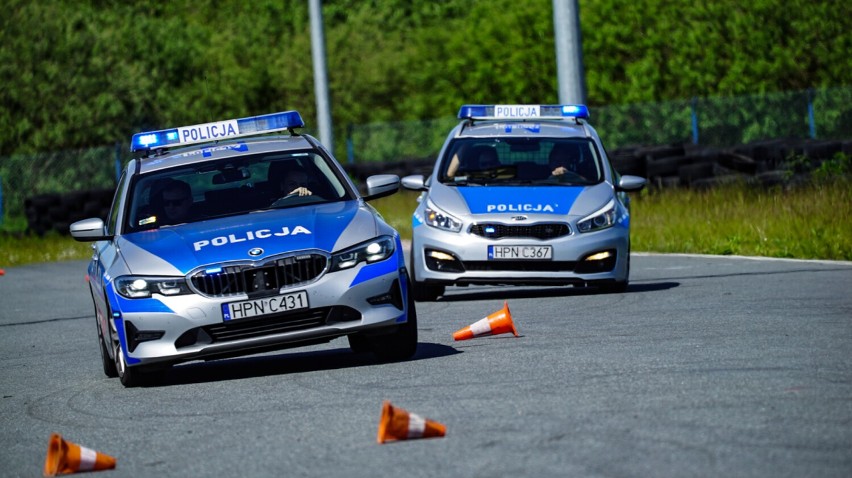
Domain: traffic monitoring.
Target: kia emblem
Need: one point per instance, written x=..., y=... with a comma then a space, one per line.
x=519, y=218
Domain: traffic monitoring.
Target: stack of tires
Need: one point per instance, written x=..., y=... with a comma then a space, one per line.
x=55, y=212
x=766, y=163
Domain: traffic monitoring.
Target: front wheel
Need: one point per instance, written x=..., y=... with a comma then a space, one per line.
x=110, y=369
x=134, y=376
x=618, y=287
x=421, y=291
x=400, y=344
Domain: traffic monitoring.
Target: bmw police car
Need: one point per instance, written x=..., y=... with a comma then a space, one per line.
x=521, y=194
x=223, y=240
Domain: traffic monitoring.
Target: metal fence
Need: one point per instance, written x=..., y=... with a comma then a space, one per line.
x=712, y=121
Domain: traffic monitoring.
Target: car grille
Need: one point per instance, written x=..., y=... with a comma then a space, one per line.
x=250, y=328
x=538, y=231
x=259, y=280
x=257, y=327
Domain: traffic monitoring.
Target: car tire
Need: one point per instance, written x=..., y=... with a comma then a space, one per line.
x=134, y=376
x=619, y=286
x=110, y=369
x=421, y=291
x=358, y=343
x=400, y=344
x=106, y=361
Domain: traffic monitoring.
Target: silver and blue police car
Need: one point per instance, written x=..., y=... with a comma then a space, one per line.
x=223, y=240
x=525, y=195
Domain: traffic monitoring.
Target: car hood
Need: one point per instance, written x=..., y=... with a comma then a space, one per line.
x=553, y=200
x=180, y=249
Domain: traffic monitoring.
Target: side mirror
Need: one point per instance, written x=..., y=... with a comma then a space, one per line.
x=414, y=182
x=89, y=230
x=381, y=185
x=630, y=183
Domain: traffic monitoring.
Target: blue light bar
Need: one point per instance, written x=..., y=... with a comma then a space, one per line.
x=208, y=132
x=522, y=112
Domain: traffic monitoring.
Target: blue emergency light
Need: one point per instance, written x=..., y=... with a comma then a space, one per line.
x=523, y=112
x=221, y=130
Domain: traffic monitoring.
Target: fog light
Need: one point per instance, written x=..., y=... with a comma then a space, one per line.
x=599, y=256
x=441, y=256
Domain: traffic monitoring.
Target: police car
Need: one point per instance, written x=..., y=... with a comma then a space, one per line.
x=224, y=240
x=521, y=194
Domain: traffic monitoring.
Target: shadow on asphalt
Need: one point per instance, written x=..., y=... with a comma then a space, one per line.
x=285, y=364
x=459, y=294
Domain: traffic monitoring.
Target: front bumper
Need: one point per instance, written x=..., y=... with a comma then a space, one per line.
x=442, y=257
x=367, y=298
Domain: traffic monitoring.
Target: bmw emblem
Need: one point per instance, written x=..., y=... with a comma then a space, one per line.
x=255, y=251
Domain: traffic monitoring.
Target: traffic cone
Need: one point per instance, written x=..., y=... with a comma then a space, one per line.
x=398, y=424
x=499, y=322
x=64, y=457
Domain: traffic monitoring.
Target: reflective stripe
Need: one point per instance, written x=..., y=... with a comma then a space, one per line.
x=480, y=327
x=416, y=426
x=87, y=459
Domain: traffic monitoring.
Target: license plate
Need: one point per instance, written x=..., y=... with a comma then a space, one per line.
x=532, y=253
x=265, y=306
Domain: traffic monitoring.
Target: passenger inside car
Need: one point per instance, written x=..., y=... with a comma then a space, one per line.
x=295, y=183
x=175, y=202
x=568, y=158
x=472, y=158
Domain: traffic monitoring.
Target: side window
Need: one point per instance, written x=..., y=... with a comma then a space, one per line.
x=112, y=221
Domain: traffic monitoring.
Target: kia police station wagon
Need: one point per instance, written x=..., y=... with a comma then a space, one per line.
x=223, y=240
x=521, y=194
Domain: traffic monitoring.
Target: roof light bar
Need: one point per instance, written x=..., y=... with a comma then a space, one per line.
x=522, y=112
x=207, y=132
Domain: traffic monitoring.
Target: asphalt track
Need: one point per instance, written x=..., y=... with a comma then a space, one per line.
x=706, y=366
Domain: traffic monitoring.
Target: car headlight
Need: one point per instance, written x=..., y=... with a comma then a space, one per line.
x=138, y=287
x=601, y=219
x=375, y=250
x=441, y=220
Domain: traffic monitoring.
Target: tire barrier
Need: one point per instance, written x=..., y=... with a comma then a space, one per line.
x=765, y=163
x=55, y=212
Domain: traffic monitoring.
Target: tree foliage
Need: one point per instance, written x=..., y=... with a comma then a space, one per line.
x=90, y=73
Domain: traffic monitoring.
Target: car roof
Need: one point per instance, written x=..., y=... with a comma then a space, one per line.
x=225, y=149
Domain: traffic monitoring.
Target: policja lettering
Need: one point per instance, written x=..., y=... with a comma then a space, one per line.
x=209, y=131
x=250, y=236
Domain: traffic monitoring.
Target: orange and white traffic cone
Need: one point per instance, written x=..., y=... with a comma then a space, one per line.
x=499, y=322
x=398, y=424
x=65, y=457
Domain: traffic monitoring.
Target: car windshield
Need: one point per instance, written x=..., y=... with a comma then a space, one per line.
x=512, y=161
x=231, y=187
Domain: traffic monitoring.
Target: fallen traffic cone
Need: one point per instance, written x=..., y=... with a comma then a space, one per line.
x=499, y=322
x=397, y=424
x=64, y=457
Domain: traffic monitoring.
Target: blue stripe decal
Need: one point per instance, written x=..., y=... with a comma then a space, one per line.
x=524, y=200
x=371, y=271
x=403, y=284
